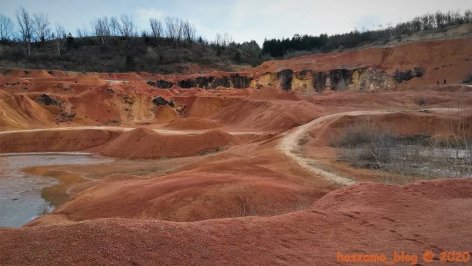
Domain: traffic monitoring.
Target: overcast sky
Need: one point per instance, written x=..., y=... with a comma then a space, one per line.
x=244, y=19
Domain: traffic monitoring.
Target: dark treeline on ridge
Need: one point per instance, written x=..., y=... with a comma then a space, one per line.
x=324, y=43
x=115, y=44
x=29, y=28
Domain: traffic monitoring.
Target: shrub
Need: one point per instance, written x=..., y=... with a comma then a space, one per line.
x=158, y=101
x=468, y=80
x=367, y=146
x=420, y=101
x=400, y=76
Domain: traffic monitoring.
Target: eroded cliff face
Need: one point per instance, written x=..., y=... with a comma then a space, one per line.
x=370, y=69
x=231, y=80
x=360, y=79
x=107, y=107
x=337, y=79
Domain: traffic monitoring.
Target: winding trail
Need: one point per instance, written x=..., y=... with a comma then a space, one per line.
x=289, y=144
x=126, y=129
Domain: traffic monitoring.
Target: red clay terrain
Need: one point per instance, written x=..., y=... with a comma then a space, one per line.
x=365, y=218
x=240, y=168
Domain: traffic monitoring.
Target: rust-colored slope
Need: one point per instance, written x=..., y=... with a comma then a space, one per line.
x=144, y=143
x=364, y=218
x=193, y=123
x=276, y=116
x=19, y=111
x=428, y=54
x=57, y=140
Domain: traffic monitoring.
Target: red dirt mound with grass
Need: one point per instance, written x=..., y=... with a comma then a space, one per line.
x=193, y=123
x=366, y=218
x=142, y=143
x=403, y=124
x=54, y=140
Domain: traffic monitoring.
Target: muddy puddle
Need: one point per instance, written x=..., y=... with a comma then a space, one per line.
x=20, y=193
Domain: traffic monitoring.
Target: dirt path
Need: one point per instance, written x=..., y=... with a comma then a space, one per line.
x=125, y=129
x=289, y=144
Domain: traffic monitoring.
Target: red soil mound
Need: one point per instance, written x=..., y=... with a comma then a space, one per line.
x=276, y=115
x=207, y=106
x=96, y=105
x=353, y=100
x=19, y=111
x=144, y=143
x=57, y=140
x=193, y=123
x=121, y=76
x=90, y=79
x=185, y=197
x=106, y=106
x=366, y=218
x=165, y=114
x=86, y=99
x=39, y=74
x=271, y=93
x=233, y=183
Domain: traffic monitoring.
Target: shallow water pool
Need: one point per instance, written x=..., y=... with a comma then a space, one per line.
x=20, y=193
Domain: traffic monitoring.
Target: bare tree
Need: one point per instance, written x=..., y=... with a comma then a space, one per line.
x=41, y=26
x=468, y=16
x=60, y=36
x=60, y=32
x=218, y=39
x=101, y=28
x=25, y=25
x=127, y=27
x=6, y=28
x=228, y=39
x=156, y=27
x=188, y=31
x=84, y=32
x=114, y=26
x=79, y=33
x=440, y=19
x=223, y=39
x=173, y=28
